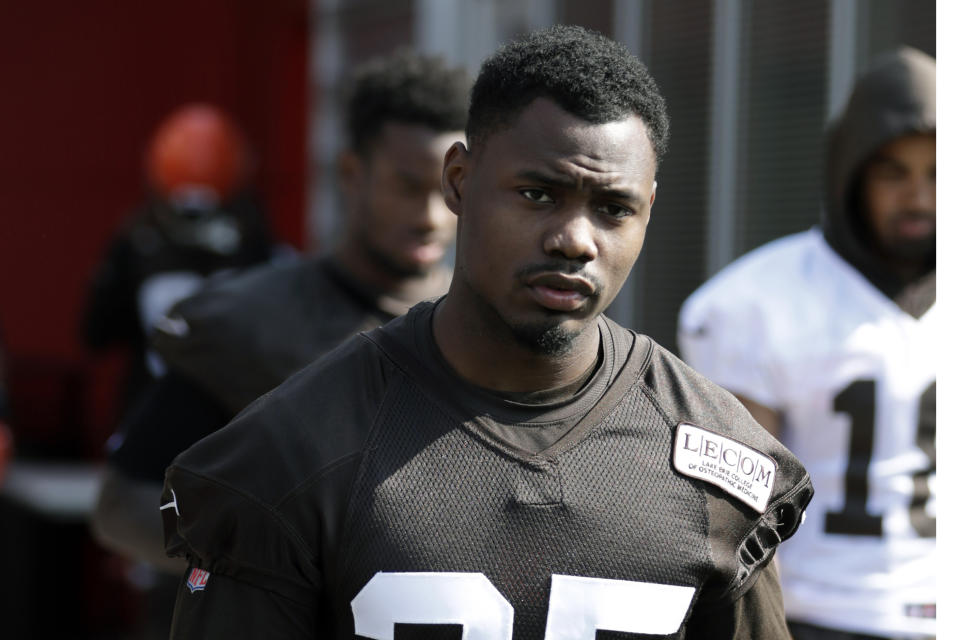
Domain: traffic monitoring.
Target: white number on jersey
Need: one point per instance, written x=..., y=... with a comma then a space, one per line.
x=858, y=401
x=578, y=607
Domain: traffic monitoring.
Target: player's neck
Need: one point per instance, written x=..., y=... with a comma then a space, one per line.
x=909, y=271
x=489, y=356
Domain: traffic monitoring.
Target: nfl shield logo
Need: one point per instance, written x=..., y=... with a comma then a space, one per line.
x=197, y=580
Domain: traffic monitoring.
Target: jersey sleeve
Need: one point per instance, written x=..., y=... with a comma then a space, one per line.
x=258, y=506
x=249, y=575
x=744, y=561
x=237, y=506
x=227, y=607
x=231, y=505
x=758, y=491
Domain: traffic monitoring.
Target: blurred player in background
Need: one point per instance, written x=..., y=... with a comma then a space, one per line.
x=239, y=338
x=199, y=218
x=830, y=338
x=505, y=461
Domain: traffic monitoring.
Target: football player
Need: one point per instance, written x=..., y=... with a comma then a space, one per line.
x=243, y=336
x=200, y=218
x=830, y=337
x=505, y=462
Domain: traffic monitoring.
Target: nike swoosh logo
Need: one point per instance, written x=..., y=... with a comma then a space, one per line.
x=172, y=503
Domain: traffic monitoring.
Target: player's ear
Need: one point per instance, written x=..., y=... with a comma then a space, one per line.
x=653, y=196
x=454, y=175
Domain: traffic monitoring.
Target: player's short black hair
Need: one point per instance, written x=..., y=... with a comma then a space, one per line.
x=405, y=87
x=587, y=74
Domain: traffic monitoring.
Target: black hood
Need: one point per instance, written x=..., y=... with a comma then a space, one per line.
x=896, y=97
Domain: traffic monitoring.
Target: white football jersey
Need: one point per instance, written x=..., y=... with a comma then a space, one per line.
x=793, y=326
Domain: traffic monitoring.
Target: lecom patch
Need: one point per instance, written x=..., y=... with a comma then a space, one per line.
x=739, y=470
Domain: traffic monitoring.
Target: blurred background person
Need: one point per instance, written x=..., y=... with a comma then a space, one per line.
x=85, y=90
x=830, y=338
x=199, y=218
x=240, y=337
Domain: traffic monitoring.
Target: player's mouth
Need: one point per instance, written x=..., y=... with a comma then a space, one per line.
x=424, y=253
x=560, y=292
x=913, y=226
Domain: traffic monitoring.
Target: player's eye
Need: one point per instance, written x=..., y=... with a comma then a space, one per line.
x=891, y=174
x=614, y=210
x=888, y=171
x=410, y=186
x=536, y=195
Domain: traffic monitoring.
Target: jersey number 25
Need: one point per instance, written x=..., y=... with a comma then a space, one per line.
x=578, y=606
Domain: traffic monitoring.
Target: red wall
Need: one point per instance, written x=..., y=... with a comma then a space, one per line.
x=82, y=86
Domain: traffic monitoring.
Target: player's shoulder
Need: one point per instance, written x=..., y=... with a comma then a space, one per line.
x=767, y=276
x=257, y=497
x=686, y=396
x=754, y=486
x=238, y=299
x=709, y=421
x=316, y=419
x=770, y=297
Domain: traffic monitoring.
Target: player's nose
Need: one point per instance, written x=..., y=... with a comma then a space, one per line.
x=922, y=194
x=572, y=235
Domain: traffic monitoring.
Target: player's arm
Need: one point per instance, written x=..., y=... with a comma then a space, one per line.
x=171, y=415
x=127, y=520
x=110, y=310
x=768, y=418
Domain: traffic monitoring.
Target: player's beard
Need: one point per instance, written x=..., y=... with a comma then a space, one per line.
x=544, y=337
x=919, y=251
x=548, y=338
x=912, y=250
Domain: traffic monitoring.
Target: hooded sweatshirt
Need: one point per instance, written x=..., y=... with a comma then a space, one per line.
x=896, y=97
